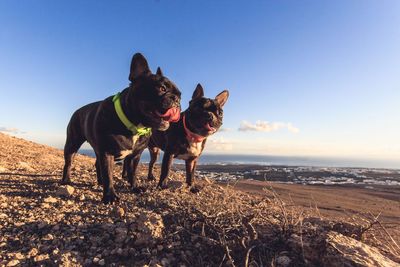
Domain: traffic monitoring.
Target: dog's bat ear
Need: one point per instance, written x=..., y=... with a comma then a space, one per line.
x=198, y=92
x=222, y=97
x=139, y=66
x=159, y=72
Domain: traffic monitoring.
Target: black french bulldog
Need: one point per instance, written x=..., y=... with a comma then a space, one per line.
x=121, y=125
x=186, y=138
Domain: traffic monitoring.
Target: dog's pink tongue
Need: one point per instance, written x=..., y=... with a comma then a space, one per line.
x=209, y=128
x=172, y=114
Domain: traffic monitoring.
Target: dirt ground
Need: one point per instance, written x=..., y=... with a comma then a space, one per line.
x=334, y=201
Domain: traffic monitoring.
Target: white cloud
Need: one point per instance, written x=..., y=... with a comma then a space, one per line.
x=219, y=144
x=223, y=129
x=10, y=130
x=265, y=126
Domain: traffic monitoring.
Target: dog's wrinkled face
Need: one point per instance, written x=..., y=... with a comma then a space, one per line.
x=157, y=98
x=205, y=115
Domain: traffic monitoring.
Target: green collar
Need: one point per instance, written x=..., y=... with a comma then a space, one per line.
x=136, y=130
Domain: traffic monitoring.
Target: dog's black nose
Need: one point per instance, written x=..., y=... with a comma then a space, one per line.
x=210, y=116
x=174, y=98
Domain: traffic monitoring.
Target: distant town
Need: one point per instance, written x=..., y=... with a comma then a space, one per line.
x=301, y=175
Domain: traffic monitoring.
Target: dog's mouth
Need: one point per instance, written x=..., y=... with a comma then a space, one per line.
x=171, y=115
x=210, y=128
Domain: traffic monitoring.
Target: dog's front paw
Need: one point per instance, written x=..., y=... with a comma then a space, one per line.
x=65, y=181
x=162, y=185
x=194, y=189
x=138, y=189
x=151, y=177
x=109, y=197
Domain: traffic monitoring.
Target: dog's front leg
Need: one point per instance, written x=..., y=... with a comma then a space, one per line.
x=106, y=162
x=190, y=171
x=133, y=163
x=165, y=167
x=125, y=167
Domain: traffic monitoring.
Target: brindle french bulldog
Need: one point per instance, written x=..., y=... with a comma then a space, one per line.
x=151, y=101
x=186, y=138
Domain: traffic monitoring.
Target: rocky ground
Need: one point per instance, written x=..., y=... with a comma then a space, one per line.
x=43, y=223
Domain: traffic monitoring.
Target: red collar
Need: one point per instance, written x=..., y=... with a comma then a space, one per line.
x=191, y=136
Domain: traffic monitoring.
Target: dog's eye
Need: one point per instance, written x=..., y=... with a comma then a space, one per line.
x=163, y=89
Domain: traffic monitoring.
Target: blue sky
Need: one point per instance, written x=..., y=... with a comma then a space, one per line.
x=305, y=77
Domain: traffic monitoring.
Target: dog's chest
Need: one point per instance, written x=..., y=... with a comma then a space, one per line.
x=128, y=149
x=192, y=150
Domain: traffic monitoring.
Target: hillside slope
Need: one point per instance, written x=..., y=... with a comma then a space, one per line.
x=42, y=223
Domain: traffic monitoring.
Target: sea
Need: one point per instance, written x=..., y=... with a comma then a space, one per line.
x=270, y=160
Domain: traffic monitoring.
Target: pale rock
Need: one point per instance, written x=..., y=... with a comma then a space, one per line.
x=13, y=263
x=46, y=205
x=151, y=228
x=50, y=199
x=65, y=191
x=117, y=212
x=19, y=256
x=33, y=252
x=346, y=251
x=41, y=257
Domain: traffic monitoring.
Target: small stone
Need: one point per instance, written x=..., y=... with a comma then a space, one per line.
x=3, y=216
x=56, y=227
x=41, y=257
x=19, y=256
x=164, y=261
x=33, y=252
x=283, y=261
x=82, y=197
x=96, y=260
x=48, y=237
x=117, y=212
x=13, y=263
x=132, y=251
x=102, y=262
x=50, y=199
x=42, y=225
x=65, y=191
x=119, y=251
